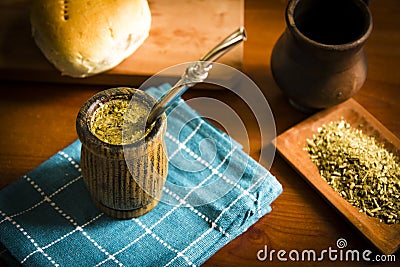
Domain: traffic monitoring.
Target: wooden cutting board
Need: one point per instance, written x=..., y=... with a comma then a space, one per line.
x=181, y=31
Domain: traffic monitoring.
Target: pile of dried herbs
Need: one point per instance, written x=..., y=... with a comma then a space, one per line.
x=114, y=117
x=360, y=169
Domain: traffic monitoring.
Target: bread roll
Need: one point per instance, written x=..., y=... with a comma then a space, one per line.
x=86, y=37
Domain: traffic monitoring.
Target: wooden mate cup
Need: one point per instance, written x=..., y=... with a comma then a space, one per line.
x=124, y=180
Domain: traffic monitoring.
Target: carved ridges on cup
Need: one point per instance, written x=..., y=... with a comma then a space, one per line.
x=112, y=184
x=124, y=181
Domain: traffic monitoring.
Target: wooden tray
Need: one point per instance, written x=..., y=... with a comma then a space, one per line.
x=181, y=31
x=291, y=143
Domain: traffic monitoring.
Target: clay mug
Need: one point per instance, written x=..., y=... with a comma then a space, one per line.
x=319, y=60
x=124, y=180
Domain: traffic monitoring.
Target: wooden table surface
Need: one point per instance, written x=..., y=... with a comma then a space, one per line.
x=37, y=120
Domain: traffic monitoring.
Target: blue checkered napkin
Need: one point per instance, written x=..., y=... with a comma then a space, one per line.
x=214, y=192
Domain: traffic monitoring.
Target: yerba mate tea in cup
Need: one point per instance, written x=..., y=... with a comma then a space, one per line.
x=124, y=165
x=114, y=117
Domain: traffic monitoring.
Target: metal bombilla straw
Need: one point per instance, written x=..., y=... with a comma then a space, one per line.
x=195, y=73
